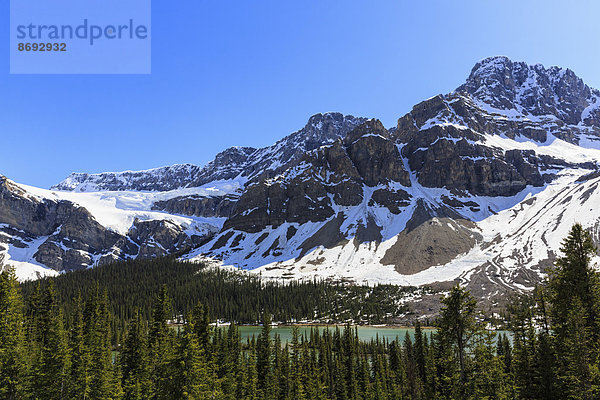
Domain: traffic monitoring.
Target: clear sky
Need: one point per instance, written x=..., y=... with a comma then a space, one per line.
x=247, y=73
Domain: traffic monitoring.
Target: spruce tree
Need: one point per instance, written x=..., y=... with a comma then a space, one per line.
x=488, y=377
x=458, y=328
x=419, y=351
x=12, y=351
x=98, y=344
x=79, y=379
x=525, y=343
x=574, y=289
x=135, y=362
x=194, y=378
x=161, y=346
x=250, y=382
x=50, y=362
x=544, y=369
x=296, y=385
x=264, y=358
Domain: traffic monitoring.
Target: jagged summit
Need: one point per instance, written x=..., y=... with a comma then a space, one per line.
x=154, y=179
x=533, y=89
x=530, y=100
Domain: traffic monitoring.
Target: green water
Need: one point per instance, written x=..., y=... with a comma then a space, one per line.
x=365, y=333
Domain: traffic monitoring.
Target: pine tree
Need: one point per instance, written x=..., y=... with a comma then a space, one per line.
x=544, y=369
x=430, y=366
x=251, y=391
x=135, y=362
x=296, y=386
x=50, y=363
x=458, y=328
x=229, y=366
x=98, y=343
x=201, y=316
x=117, y=392
x=161, y=347
x=263, y=358
x=574, y=288
x=420, y=352
x=349, y=362
x=79, y=380
x=488, y=377
x=12, y=351
x=194, y=378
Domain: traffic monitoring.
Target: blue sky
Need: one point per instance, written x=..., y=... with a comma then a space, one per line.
x=247, y=73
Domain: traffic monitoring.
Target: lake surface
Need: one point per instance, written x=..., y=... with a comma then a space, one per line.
x=365, y=333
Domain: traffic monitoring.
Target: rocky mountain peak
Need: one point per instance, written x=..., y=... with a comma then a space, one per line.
x=244, y=162
x=155, y=179
x=533, y=90
x=324, y=128
x=234, y=154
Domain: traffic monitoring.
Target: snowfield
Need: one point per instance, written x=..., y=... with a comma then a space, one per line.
x=116, y=211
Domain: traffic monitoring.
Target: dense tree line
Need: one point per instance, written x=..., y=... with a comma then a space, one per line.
x=49, y=353
x=231, y=296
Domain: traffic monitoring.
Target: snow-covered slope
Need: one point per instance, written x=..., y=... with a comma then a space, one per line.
x=117, y=210
x=512, y=233
x=45, y=231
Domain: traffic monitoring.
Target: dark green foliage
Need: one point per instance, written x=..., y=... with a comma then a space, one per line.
x=79, y=346
x=49, y=358
x=264, y=358
x=574, y=289
x=230, y=296
x=458, y=329
x=193, y=376
x=161, y=343
x=135, y=361
x=12, y=351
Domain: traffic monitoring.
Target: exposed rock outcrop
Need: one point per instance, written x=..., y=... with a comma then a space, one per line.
x=330, y=176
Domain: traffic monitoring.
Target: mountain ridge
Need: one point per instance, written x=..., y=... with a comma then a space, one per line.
x=231, y=163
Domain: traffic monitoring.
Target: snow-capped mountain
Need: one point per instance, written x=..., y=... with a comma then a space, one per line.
x=435, y=198
x=142, y=213
x=477, y=185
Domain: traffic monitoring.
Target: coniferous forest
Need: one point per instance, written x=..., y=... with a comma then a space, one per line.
x=74, y=337
x=230, y=295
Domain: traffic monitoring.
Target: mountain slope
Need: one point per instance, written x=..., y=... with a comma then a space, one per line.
x=43, y=232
